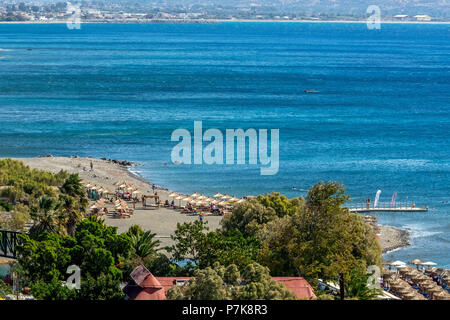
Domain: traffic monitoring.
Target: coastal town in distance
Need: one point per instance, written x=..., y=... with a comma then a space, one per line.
x=205, y=12
x=224, y=159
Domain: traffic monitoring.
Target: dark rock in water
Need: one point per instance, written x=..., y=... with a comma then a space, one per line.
x=49, y=156
x=104, y=159
x=122, y=163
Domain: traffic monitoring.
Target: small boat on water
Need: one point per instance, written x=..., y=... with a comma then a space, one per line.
x=311, y=91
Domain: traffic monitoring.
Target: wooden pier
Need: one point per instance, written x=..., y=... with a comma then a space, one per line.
x=388, y=209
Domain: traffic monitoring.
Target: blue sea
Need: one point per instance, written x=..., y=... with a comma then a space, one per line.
x=380, y=119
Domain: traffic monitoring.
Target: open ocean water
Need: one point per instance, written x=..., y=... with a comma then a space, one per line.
x=380, y=121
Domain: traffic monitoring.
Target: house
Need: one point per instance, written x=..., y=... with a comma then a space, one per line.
x=145, y=286
x=422, y=17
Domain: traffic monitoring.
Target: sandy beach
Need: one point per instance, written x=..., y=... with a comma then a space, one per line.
x=162, y=221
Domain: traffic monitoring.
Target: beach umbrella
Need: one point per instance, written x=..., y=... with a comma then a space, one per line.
x=188, y=199
x=233, y=199
x=398, y=263
x=429, y=263
x=201, y=197
x=218, y=195
x=388, y=262
x=441, y=296
x=179, y=198
x=198, y=202
x=415, y=261
x=222, y=203
x=225, y=197
x=419, y=278
x=215, y=201
x=240, y=201
x=173, y=194
x=195, y=195
x=409, y=295
x=88, y=185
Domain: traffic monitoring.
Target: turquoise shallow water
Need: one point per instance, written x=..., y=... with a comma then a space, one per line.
x=380, y=121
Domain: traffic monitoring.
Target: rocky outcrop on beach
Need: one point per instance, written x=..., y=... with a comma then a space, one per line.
x=392, y=238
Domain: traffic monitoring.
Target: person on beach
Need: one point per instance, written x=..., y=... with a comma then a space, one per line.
x=92, y=166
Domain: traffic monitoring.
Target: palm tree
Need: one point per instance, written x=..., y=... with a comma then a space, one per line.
x=143, y=244
x=70, y=214
x=44, y=217
x=73, y=187
x=357, y=287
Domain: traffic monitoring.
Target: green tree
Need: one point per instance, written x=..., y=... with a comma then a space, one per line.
x=226, y=249
x=248, y=217
x=189, y=238
x=220, y=283
x=322, y=241
x=70, y=212
x=281, y=204
x=144, y=244
x=45, y=218
x=258, y=285
x=356, y=286
x=95, y=248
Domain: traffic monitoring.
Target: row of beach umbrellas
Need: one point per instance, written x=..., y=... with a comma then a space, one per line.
x=91, y=186
x=417, y=262
x=127, y=187
x=199, y=199
x=423, y=281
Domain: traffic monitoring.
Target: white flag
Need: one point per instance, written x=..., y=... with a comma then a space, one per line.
x=377, y=197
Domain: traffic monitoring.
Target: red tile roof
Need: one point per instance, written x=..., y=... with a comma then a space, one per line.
x=299, y=286
x=169, y=282
x=151, y=282
x=154, y=288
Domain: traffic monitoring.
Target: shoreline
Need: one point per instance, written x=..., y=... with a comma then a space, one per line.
x=215, y=21
x=163, y=220
x=394, y=239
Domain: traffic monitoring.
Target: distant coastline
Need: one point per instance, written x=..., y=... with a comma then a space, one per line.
x=214, y=21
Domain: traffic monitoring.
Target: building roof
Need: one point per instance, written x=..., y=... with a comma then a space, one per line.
x=145, y=286
x=298, y=285
x=169, y=282
x=139, y=274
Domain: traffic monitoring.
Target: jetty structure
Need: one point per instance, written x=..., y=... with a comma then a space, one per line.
x=387, y=208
